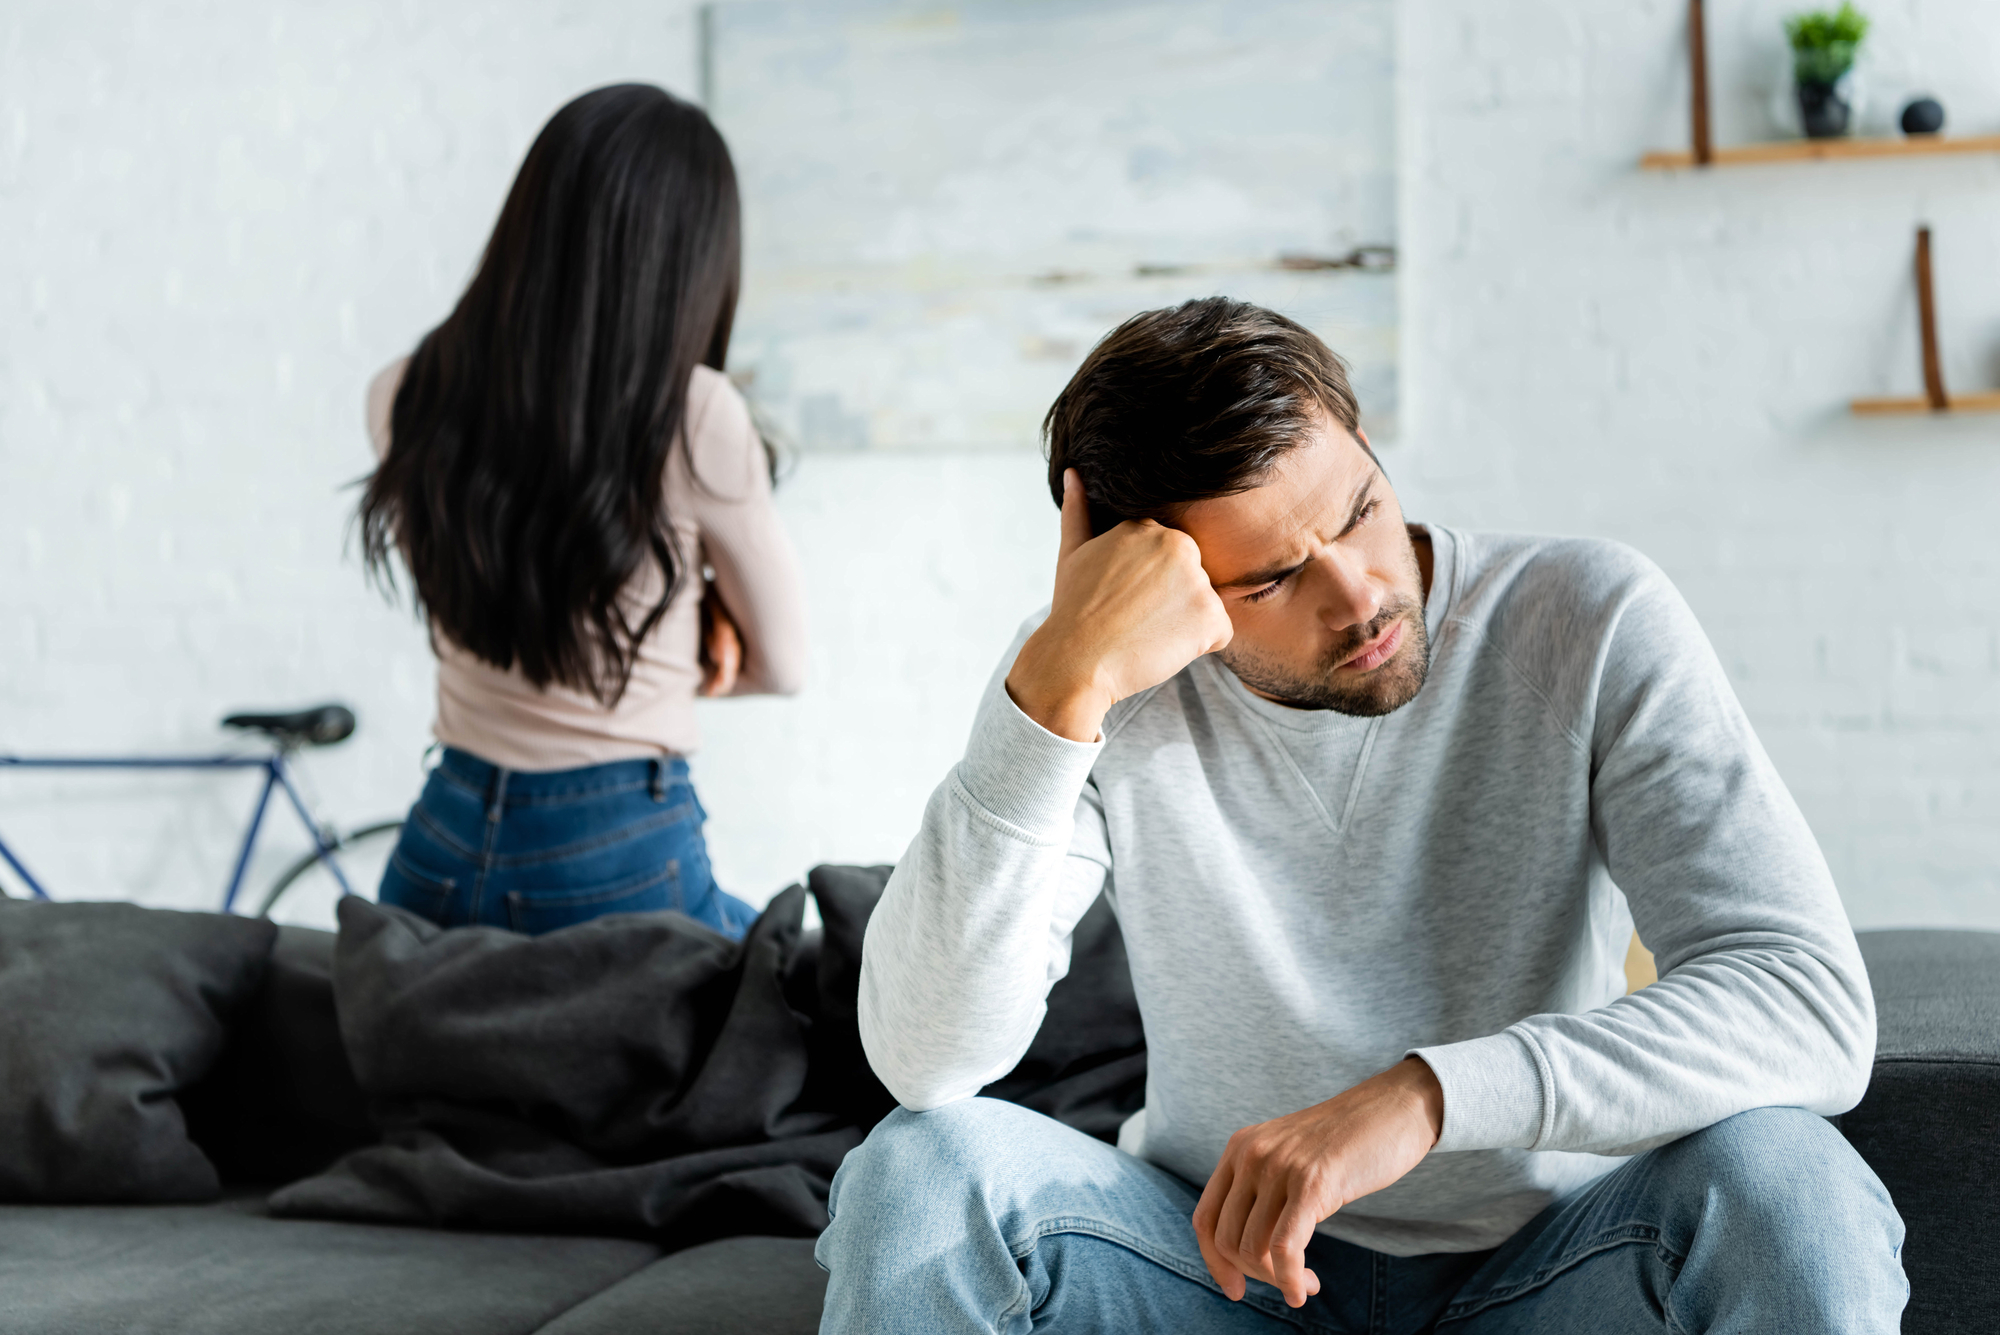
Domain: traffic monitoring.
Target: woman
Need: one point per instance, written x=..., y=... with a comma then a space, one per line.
x=560, y=459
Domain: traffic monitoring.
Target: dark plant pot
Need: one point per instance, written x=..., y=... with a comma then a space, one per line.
x=1823, y=110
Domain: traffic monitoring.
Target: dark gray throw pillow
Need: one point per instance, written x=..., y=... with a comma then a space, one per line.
x=106, y=1012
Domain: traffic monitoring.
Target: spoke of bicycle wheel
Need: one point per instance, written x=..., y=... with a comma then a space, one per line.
x=341, y=843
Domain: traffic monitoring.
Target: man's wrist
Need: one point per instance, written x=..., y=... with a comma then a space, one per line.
x=1063, y=697
x=1422, y=1082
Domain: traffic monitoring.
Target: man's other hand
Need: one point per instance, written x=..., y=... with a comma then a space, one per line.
x=1279, y=1179
x=1132, y=607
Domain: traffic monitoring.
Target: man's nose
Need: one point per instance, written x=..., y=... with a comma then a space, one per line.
x=1354, y=597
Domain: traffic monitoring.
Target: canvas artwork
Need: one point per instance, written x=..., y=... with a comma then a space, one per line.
x=946, y=205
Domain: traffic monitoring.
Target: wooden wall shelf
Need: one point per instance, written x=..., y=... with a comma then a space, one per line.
x=1987, y=402
x=1705, y=153
x=1935, y=398
x=1823, y=150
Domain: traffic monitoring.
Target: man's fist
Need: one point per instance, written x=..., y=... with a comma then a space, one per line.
x=1132, y=607
x=1277, y=1180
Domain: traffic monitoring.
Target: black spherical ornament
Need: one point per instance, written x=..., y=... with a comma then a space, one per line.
x=1923, y=116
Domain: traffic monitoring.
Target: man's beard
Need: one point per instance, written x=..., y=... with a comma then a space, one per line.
x=1382, y=691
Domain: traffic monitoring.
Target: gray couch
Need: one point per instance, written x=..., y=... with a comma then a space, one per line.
x=1930, y=1125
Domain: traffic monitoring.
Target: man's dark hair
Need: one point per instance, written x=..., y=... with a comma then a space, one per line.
x=1189, y=403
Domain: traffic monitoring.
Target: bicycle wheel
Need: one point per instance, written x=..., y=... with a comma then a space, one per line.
x=309, y=889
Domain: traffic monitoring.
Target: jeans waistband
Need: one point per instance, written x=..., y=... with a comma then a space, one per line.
x=483, y=774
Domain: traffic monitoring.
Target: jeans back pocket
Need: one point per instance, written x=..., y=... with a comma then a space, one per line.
x=537, y=910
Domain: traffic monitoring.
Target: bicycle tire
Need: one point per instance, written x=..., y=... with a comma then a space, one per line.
x=311, y=860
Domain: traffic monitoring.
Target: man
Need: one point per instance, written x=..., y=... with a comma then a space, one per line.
x=1377, y=806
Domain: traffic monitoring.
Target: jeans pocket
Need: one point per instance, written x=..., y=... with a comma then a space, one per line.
x=407, y=886
x=533, y=911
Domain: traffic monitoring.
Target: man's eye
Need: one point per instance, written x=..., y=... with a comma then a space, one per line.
x=1367, y=513
x=1264, y=592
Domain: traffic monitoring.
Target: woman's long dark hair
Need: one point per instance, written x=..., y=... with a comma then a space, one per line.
x=524, y=484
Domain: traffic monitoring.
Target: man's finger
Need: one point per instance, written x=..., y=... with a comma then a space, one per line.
x=1075, y=514
x=1229, y=1221
x=1255, y=1246
x=1288, y=1256
x=1227, y=1277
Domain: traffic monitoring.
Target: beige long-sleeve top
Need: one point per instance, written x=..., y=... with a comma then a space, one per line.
x=725, y=520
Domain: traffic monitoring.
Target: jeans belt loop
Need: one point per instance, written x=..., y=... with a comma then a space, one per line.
x=659, y=784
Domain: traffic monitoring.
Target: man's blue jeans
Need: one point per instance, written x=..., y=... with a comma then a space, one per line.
x=983, y=1216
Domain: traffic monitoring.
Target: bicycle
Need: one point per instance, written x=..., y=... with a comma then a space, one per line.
x=321, y=725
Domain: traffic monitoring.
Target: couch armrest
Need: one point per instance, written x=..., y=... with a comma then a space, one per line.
x=1930, y=1123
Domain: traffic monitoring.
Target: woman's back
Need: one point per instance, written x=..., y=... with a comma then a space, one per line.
x=718, y=500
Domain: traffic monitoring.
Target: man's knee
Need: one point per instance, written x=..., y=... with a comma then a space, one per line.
x=947, y=1152
x=1774, y=1209
x=1788, y=1175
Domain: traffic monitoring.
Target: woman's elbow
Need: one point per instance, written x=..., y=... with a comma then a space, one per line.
x=785, y=675
x=762, y=678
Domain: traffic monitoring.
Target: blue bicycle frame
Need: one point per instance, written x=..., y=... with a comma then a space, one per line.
x=275, y=776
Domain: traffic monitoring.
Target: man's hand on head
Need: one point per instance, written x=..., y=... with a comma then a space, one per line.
x=1277, y=1180
x=1132, y=607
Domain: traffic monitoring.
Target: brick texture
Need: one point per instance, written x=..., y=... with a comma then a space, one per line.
x=216, y=220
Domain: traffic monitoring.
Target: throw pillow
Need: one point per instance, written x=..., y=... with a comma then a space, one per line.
x=107, y=1011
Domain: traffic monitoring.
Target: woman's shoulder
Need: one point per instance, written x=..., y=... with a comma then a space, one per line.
x=714, y=402
x=381, y=401
x=723, y=444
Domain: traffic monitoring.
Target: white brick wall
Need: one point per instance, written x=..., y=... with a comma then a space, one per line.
x=217, y=220
x=1665, y=359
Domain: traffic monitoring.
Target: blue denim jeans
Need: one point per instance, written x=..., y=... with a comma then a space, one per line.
x=983, y=1216
x=534, y=851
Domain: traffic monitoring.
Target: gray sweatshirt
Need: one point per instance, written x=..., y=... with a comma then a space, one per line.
x=1307, y=898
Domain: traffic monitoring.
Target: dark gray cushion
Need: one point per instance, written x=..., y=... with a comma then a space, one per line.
x=1930, y=1122
x=106, y=1012
x=281, y=1102
x=737, y=1286
x=226, y=1268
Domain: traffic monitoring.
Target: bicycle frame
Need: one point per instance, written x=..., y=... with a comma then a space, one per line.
x=275, y=776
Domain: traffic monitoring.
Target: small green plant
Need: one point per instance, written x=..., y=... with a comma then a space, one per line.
x=1823, y=42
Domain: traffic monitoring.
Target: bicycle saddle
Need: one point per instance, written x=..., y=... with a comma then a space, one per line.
x=322, y=725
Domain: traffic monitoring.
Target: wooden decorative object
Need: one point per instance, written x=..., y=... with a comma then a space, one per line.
x=1704, y=151
x=1927, y=325
x=1934, y=399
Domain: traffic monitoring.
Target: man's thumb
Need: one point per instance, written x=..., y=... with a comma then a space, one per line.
x=1075, y=514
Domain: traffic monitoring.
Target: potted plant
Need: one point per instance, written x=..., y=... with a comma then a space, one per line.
x=1823, y=46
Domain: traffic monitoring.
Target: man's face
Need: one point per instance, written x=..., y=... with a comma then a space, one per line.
x=1320, y=579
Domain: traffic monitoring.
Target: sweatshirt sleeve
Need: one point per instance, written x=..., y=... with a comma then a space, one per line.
x=1763, y=1000
x=974, y=926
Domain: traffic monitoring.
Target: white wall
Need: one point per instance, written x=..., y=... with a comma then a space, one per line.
x=216, y=221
